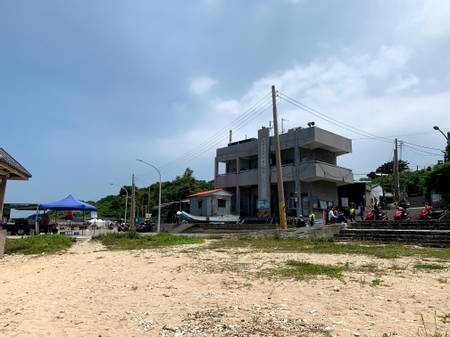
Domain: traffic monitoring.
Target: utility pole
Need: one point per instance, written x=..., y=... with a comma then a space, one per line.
x=396, y=173
x=133, y=203
x=281, y=203
x=230, y=137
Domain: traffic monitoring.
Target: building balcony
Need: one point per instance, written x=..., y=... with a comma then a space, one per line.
x=243, y=178
x=311, y=171
x=317, y=138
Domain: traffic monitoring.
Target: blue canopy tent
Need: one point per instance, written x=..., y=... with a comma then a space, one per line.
x=69, y=203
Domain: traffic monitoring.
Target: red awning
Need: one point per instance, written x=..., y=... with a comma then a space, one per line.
x=206, y=192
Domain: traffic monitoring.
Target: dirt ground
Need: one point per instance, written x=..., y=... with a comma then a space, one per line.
x=189, y=291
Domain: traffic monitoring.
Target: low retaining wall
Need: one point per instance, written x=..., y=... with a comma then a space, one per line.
x=327, y=231
x=323, y=231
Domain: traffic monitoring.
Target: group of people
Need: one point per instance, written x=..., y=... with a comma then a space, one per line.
x=336, y=215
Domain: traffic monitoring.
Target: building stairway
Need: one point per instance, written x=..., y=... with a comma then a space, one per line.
x=420, y=232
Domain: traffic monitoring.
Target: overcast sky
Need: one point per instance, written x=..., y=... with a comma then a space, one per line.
x=86, y=87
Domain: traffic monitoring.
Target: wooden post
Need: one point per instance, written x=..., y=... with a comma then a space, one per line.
x=281, y=202
x=2, y=242
x=3, y=180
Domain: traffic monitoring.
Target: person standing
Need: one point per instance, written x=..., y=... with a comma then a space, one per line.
x=361, y=211
x=312, y=218
x=352, y=212
x=332, y=216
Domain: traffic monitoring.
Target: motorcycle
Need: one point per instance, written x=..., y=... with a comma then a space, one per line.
x=401, y=214
x=341, y=217
x=376, y=215
x=428, y=213
x=122, y=227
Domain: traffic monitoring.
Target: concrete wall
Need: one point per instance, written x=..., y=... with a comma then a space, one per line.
x=325, y=190
x=204, y=209
x=216, y=210
x=309, y=156
x=210, y=205
x=264, y=169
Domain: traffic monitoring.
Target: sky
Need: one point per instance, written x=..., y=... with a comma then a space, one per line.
x=86, y=87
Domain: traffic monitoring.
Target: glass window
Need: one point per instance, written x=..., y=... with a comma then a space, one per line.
x=222, y=203
x=200, y=203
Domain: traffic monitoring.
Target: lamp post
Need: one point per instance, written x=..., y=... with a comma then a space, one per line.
x=126, y=201
x=447, y=137
x=159, y=198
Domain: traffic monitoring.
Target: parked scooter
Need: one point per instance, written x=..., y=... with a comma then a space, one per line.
x=428, y=213
x=376, y=214
x=401, y=214
x=340, y=217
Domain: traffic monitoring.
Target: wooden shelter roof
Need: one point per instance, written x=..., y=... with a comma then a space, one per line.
x=11, y=168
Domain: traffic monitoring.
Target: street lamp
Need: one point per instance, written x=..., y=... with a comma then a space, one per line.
x=126, y=201
x=447, y=137
x=159, y=201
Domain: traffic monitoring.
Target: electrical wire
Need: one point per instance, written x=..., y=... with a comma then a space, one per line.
x=213, y=144
x=331, y=120
x=423, y=152
x=219, y=140
x=248, y=114
x=422, y=146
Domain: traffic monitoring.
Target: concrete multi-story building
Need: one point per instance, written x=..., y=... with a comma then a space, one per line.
x=311, y=175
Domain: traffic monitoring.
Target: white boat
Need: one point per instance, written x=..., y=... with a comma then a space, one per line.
x=219, y=219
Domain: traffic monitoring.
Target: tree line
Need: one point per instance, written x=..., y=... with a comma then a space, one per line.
x=113, y=206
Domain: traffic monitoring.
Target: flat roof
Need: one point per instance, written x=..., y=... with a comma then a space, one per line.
x=21, y=206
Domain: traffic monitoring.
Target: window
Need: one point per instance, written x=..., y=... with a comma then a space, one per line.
x=200, y=203
x=221, y=203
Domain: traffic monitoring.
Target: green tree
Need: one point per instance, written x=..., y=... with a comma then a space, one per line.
x=438, y=180
x=388, y=167
x=178, y=189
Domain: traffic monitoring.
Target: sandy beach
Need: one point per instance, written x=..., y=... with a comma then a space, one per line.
x=191, y=291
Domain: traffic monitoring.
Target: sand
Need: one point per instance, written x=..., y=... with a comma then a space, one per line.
x=189, y=291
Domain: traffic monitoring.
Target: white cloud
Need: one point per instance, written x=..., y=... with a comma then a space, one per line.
x=433, y=18
x=403, y=84
x=201, y=85
x=369, y=91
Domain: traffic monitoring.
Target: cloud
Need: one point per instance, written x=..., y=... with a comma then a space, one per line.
x=201, y=85
x=433, y=18
x=403, y=84
x=368, y=91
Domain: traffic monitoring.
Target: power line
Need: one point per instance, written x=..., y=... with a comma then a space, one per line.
x=423, y=152
x=354, y=129
x=397, y=136
x=422, y=146
x=220, y=138
x=248, y=114
x=331, y=120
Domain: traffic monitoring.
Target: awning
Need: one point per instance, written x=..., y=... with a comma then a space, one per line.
x=68, y=203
